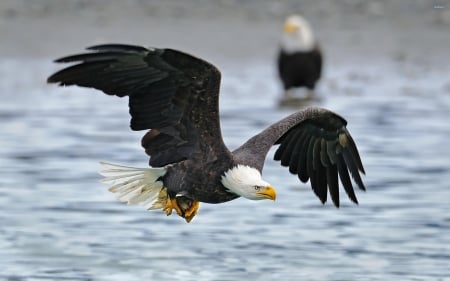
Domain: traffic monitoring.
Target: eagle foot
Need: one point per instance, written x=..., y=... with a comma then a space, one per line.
x=171, y=204
x=184, y=206
x=190, y=213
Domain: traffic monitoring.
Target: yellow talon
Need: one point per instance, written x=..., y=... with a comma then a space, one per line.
x=168, y=207
x=192, y=210
x=190, y=213
x=185, y=208
x=176, y=206
x=172, y=204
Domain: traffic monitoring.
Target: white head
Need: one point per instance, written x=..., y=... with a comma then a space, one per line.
x=297, y=35
x=246, y=181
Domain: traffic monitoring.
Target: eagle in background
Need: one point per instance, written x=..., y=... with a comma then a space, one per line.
x=175, y=97
x=299, y=58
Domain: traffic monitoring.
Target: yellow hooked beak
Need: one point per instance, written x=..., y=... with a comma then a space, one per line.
x=268, y=193
x=290, y=27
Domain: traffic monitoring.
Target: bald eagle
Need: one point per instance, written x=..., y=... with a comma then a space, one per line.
x=300, y=57
x=175, y=96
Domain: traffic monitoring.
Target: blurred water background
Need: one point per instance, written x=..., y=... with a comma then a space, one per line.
x=387, y=69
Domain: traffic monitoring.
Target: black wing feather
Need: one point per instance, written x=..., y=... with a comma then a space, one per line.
x=294, y=162
x=351, y=165
x=354, y=152
x=91, y=57
x=321, y=149
x=323, y=153
x=119, y=47
x=310, y=162
x=345, y=178
x=286, y=157
x=333, y=184
x=321, y=185
x=302, y=160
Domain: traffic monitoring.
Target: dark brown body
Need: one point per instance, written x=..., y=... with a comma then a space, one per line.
x=300, y=69
x=199, y=182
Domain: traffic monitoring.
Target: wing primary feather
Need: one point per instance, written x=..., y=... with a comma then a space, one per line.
x=316, y=154
x=310, y=162
x=284, y=142
x=118, y=47
x=321, y=184
x=283, y=145
x=354, y=150
x=323, y=153
x=89, y=57
x=331, y=151
x=349, y=161
x=345, y=179
x=303, y=158
x=288, y=152
x=279, y=152
x=70, y=75
x=333, y=184
x=294, y=162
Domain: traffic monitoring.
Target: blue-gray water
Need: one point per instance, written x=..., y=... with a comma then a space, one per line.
x=59, y=223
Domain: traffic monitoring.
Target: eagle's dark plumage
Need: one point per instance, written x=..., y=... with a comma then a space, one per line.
x=300, y=69
x=175, y=96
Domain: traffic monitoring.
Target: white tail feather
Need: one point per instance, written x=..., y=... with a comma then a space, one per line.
x=137, y=186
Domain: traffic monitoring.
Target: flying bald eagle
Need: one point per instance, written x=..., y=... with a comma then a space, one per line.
x=299, y=58
x=175, y=96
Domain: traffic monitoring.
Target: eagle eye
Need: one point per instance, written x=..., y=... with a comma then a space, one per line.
x=257, y=188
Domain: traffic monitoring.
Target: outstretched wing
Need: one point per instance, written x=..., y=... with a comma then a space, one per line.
x=172, y=93
x=316, y=145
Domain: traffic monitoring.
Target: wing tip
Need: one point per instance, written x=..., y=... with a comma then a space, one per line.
x=362, y=186
x=50, y=80
x=53, y=79
x=353, y=198
x=336, y=203
x=322, y=200
x=119, y=47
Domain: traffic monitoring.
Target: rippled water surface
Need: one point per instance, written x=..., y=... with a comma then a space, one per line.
x=59, y=223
